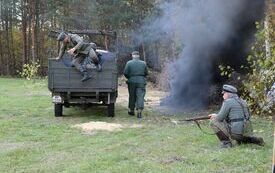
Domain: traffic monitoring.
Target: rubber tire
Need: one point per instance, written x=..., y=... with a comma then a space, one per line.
x=66, y=105
x=111, y=110
x=58, y=109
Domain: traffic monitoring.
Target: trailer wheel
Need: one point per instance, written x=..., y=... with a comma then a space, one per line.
x=58, y=108
x=111, y=110
x=66, y=104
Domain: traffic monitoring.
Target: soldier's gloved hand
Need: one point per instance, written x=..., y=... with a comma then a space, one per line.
x=71, y=51
x=212, y=116
x=57, y=58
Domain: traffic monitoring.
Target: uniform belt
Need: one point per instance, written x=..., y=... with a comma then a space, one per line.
x=236, y=120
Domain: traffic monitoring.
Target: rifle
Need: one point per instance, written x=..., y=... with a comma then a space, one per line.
x=55, y=33
x=196, y=120
x=106, y=34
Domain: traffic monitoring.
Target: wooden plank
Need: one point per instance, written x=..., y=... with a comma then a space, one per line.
x=67, y=79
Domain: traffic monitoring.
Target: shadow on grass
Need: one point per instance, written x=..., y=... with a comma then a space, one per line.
x=95, y=112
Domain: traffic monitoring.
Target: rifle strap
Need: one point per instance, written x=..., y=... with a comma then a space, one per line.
x=198, y=124
x=246, y=117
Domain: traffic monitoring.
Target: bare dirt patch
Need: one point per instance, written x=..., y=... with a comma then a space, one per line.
x=104, y=126
x=152, y=98
x=6, y=147
x=173, y=159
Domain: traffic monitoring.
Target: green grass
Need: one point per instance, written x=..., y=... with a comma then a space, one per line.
x=33, y=140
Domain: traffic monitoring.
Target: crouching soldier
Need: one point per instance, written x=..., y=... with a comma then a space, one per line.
x=136, y=71
x=233, y=120
x=80, y=50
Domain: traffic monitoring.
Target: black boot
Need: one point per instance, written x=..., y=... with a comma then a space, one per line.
x=85, y=74
x=99, y=67
x=139, y=115
x=253, y=140
x=225, y=141
x=86, y=77
x=226, y=144
x=131, y=112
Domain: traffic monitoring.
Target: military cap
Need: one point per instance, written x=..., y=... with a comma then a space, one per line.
x=229, y=89
x=61, y=36
x=135, y=53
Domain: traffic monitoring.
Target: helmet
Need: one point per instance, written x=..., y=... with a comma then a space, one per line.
x=61, y=36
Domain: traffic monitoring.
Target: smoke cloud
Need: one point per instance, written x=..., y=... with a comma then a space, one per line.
x=207, y=30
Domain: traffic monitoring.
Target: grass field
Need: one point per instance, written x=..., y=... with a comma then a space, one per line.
x=33, y=140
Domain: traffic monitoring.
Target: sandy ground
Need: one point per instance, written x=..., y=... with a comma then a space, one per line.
x=92, y=126
x=152, y=100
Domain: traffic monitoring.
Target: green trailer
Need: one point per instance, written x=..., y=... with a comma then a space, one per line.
x=64, y=81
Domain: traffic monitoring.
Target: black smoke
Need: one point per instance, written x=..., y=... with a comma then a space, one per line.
x=212, y=32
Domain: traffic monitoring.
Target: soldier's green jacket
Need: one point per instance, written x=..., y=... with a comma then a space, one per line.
x=233, y=109
x=136, y=71
x=75, y=42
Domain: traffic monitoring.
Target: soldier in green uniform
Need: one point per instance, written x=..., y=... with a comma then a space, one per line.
x=80, y=50
x=136, y=71
x=233, y=120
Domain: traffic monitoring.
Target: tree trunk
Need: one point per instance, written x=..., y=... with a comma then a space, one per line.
x=1, y=44
x=33, y=30
x=8, y=56
x=156, y=57
x=1, y=55
x=24, y=32
x=106, y=42
x=29, y=32
x=268, y=26
x=143, y=52
x=37, y=26
x=13, y=58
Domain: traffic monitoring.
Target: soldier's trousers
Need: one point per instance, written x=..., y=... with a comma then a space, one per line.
x=219, y=126
x=136, y=96
x=223, y=126
x=78, y=59
x=93, y=56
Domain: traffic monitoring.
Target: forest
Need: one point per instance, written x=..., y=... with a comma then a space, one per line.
x=25, y=24
x=168, y=34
